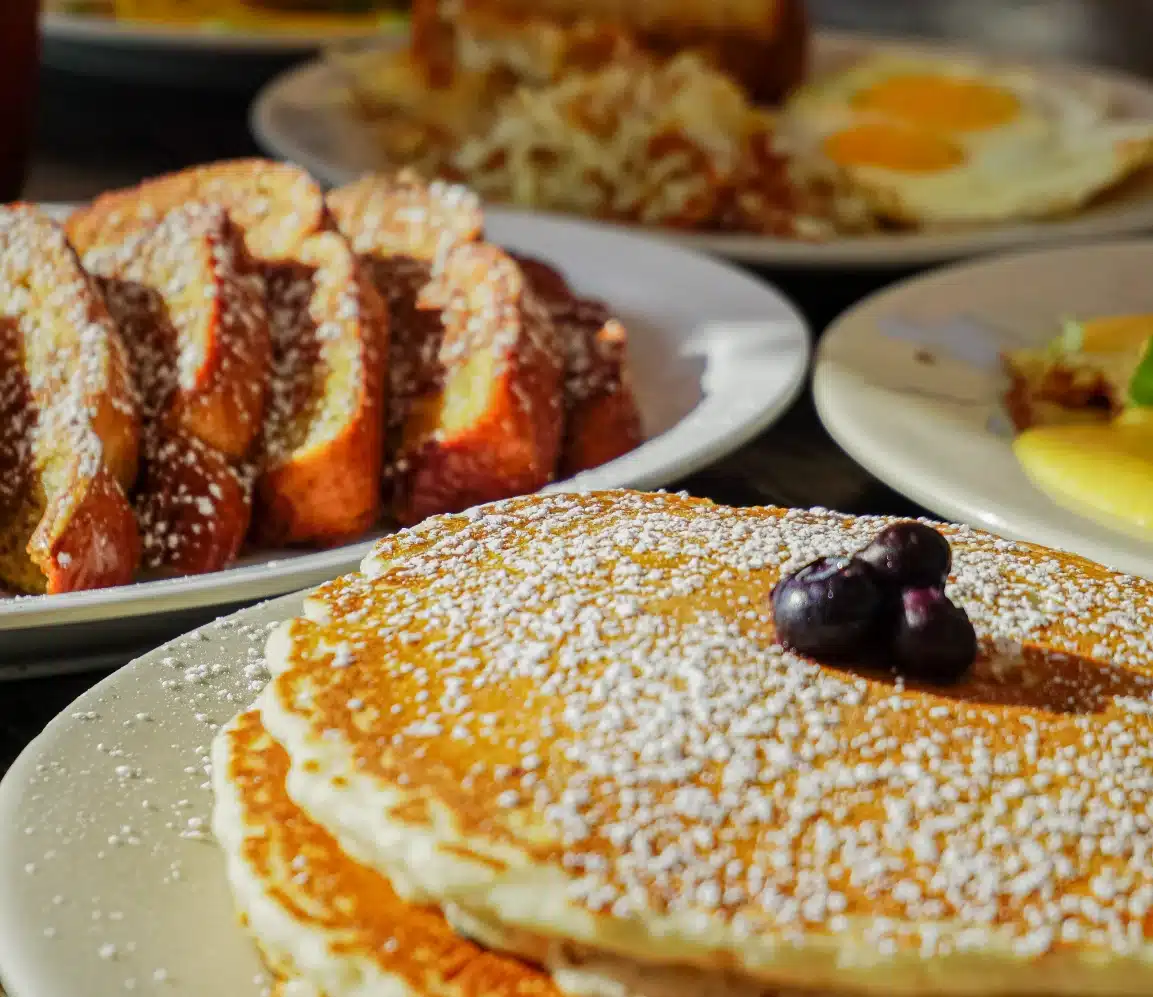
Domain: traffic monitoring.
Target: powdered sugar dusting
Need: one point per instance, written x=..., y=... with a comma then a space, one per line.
x=686, y=763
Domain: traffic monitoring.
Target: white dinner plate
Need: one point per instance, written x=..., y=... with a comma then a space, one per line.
x=716, y=356
x=108, y=882
x=306, y=115
x=190, y=54
x=909, y=383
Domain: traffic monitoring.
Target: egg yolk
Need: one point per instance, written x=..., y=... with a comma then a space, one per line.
x=893, y=147
x=940, y=102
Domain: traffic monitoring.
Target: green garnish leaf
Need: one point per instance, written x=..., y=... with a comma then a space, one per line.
x=1141, y=383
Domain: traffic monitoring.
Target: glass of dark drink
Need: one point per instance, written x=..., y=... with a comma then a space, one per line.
x=19, y=59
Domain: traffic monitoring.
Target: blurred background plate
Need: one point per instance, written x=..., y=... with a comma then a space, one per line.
x=307, y=116
x=909, y=382
x=190, y=55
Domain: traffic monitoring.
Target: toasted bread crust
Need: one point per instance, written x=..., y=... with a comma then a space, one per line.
x=459, y=449
x=87, y=537
x=190, y=308
x=385, y=215
x=602, y=421
x=193, y=506
x=276, y=205
x=603, y=424
x=398, y=225
x=322, y=446
x=68, y=420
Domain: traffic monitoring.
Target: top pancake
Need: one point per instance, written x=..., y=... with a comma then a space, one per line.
x=565, y=716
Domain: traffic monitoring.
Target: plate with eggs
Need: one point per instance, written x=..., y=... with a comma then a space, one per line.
x=1014, y=394
x=884, y=153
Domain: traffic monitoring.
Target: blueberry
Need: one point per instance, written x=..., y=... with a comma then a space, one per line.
x=830, y=608
x=909, y=555
x=934, y=642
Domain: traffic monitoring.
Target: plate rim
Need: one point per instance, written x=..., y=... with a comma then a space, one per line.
x=947, y=496
x=872, y=253
x=21, y=773
x=264, y=580
x=87, y=29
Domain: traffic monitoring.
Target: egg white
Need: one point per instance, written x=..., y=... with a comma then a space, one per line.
x=1059, y=150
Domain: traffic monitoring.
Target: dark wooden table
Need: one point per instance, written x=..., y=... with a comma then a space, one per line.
x=98, y=135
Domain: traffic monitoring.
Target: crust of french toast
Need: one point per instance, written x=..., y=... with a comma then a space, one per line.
x=398, y=225
x=276, y=205
x=492, y=427
x=87, y=537
x=602, y=421
x=192, y=505
x=385, y=215
x=322, y=447
x=68, y=420
x=190, y=308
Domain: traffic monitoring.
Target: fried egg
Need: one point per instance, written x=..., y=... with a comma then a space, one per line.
x=942, y=142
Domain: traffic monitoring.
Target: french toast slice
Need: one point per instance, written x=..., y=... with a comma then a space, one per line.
x=190, y=308
x=491, y=426
x=69, y=427
x=193, y=505
x=321, y=449
x=602, y=421
x=276, y=205
x=399, y=225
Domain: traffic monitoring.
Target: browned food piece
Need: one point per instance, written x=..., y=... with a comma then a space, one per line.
x=601, y=417
x=193, y=506
x=321, y=450
x=763, y=44
x=190, y=308
x=398, y=225
x=276, y=205
x=1045, y=390
x=69, y=430
x=491, y=427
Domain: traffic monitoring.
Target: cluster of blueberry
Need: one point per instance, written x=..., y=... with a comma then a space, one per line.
x=889, y=599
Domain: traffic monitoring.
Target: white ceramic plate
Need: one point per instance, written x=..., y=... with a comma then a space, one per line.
x=306, y=115
x=95, y=30
x=103, y=46
x=909, y=383
x=717, y=355
x=108, y=884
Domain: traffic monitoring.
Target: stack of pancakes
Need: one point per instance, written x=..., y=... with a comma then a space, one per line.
x=551, y=746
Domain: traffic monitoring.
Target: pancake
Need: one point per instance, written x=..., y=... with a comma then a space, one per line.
x=564, y=720
x=328, y=927
x=322, y=921
x=324, y=924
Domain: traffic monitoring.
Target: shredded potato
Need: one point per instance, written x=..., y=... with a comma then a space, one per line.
x=674, y=143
